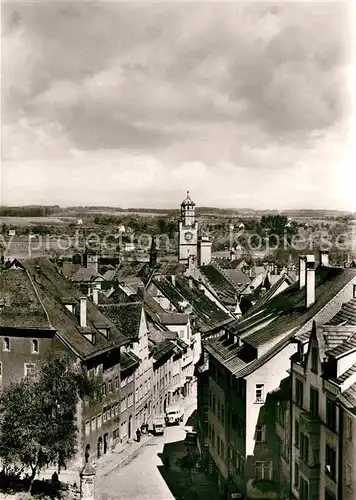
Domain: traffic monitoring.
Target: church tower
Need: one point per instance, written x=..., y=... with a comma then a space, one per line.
x=188, y=231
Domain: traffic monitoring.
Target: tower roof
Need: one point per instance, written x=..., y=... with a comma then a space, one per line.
x=188, y=201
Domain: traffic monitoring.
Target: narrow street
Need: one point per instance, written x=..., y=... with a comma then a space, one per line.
x=144, y=477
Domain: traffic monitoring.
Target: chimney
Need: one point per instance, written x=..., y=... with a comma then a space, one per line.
x=190, y=281
x=302, y=268
x=324, y=258
x=95, y=296
x=310, y=281
x=83, y=312
x=173, y=279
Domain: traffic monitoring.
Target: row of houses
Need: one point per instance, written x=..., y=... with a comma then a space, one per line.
x=277, y=391
x=140, y=336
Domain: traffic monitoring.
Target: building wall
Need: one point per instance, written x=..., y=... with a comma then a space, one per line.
x=270, y=375
x=162, y=386
x=348, y=490
x=13, y=361
x=143, y=376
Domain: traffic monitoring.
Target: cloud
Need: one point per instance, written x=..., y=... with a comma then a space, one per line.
x=181, y=88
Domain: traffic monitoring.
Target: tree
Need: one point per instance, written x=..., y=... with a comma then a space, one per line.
x=38, y=416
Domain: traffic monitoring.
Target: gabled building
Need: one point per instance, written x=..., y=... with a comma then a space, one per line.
x=42, y=313
x=130, y=317
x=323, y=378
x=248, y=362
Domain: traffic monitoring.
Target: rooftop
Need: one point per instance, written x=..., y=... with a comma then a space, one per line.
x=34, y=292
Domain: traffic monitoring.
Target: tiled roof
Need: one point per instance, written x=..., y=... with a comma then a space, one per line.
x=346, y=315
x=174, y=318
x=287, y=309
x=220, y=283
x=126, y=317
x=344, y=347
x=349, y=373
x=85, y=274
x=36, y=284
x=129, y=269
x=225, y=352
x=206, y=310
x=162, y=349
x=170, y=269
x=128, y=360
x=348, y=398
x=116, y=296
x=238, y=277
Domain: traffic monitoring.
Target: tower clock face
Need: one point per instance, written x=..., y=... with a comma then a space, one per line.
x=188, y=236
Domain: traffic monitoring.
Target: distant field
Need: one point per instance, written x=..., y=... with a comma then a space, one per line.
x=28, y=221
x=119, y=213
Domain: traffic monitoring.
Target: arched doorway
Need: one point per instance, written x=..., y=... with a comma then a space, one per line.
x=87, y=454
x=129, y=428
x=100, y=447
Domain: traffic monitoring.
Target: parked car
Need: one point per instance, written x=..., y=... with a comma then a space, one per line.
x=158, y=426
x=174, y=415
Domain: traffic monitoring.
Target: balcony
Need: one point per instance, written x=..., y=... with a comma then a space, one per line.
x=309, y=423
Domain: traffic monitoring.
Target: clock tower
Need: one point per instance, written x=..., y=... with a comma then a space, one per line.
x=188, y=231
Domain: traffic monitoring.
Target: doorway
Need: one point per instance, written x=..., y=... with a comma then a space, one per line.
x=106, y=439
x=129, y=429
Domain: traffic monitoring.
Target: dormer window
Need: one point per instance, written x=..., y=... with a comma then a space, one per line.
x=69, y=303
x=103, y=328
x=6, y=345
x=35, y=348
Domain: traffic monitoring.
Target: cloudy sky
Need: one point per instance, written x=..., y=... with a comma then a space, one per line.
x=131, y=104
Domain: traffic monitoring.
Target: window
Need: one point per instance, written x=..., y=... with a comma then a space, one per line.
x=348, y=426
x=296, y=435
x=296, y=476
x=123, y=404
x=218, y=415
x=93, y=424
x=35, y=346
x=98, y=421
x=348, y=474
x=304, y=448
x=117, y=383
x=87, y=427
x=29, y=369
x=263, y=470
x=6, y=344
x=103, y=388
x=110, y=387
x=130, y=400
x=105, y=415
x=260, y=435
x=331, y=414
x=314, y=402
x=299, y=392
x=304, y=489
x=259, y=393
x=314, y=359
x=330, y=461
